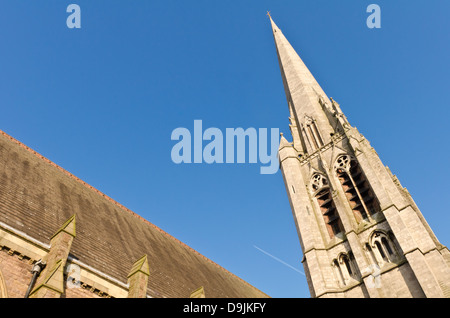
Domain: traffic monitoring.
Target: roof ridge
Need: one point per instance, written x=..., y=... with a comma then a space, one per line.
x=121, y=206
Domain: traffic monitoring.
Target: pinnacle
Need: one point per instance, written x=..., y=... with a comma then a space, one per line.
x=141, y=265
x=283, y=142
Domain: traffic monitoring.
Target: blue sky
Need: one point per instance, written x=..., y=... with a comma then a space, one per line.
x=103, y=100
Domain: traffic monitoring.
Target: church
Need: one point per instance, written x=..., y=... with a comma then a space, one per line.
x=361, y=234
x=360, y=231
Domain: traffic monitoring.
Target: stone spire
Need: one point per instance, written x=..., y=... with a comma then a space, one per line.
x=306, y=99
x=360, y=231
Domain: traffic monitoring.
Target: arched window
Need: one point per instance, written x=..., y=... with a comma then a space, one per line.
x=346, y=267
x=321, y=191
x=3, y=291
x=357, y=189
x=383, y=247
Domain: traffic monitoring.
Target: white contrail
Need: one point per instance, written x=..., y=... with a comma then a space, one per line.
x=279, y=260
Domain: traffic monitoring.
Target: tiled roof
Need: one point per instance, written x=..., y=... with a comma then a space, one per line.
x=37, y=197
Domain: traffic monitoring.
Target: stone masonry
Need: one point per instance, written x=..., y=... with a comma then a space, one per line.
x=361, y=233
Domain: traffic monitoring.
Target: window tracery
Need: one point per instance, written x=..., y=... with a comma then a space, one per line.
x=345, y=268
x=357, y=189
x=383, y=248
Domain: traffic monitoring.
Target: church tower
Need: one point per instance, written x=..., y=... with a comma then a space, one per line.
x=360, y=231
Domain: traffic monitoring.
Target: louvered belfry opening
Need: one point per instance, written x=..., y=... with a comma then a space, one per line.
x=326, y=204
x=357, y=189
x=329, y=212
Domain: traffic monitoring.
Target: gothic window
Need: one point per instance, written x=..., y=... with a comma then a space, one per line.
x=312, y=133
x=345, y=268
x=321, y=190
x=383, y=247
x=356, y=187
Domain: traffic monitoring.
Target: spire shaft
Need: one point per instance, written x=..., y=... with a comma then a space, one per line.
x=302, y=90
